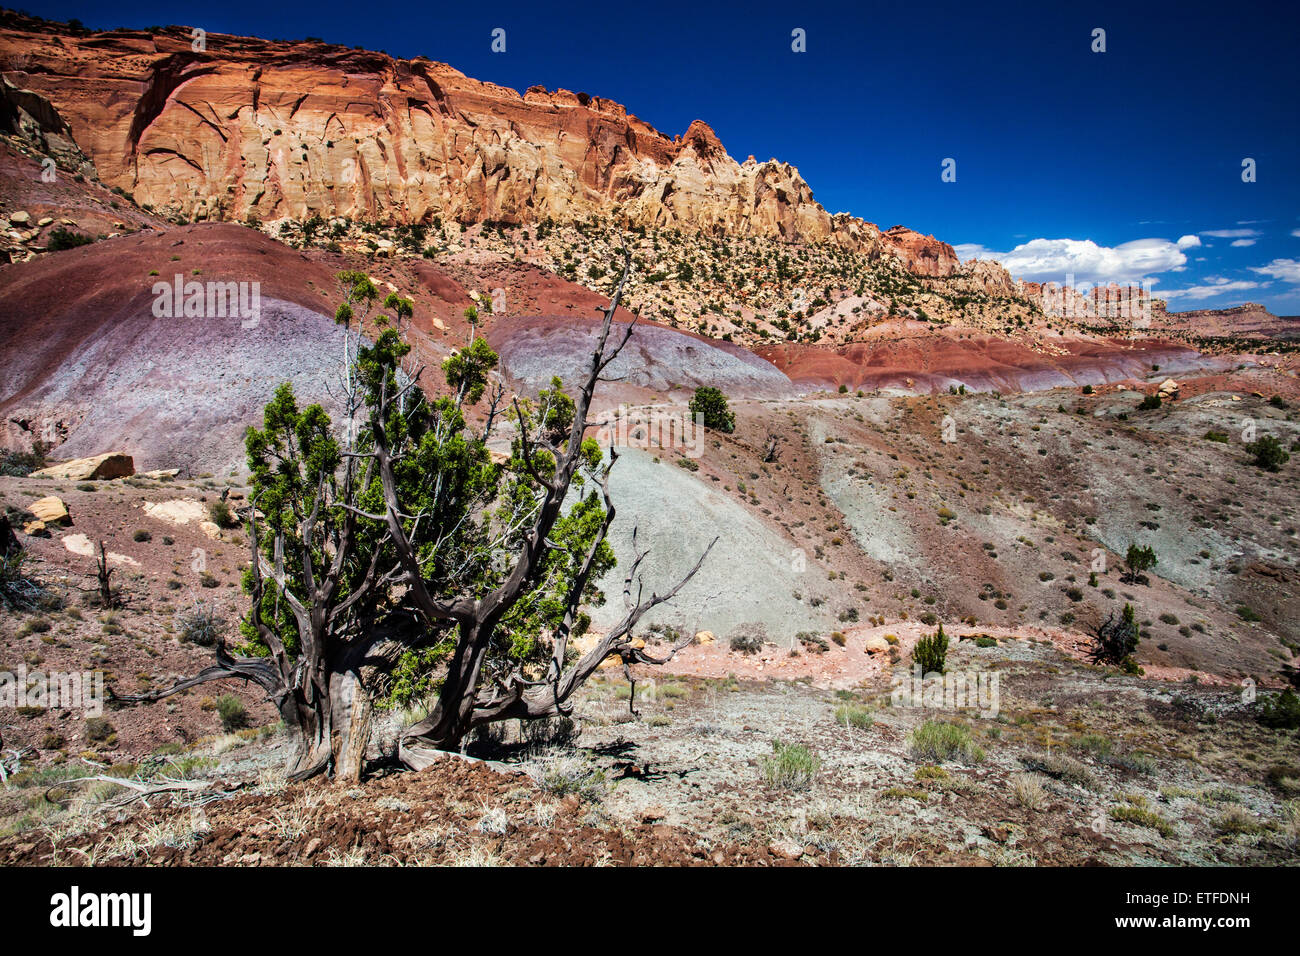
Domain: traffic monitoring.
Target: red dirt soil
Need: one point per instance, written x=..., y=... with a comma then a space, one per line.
x=426, y=818
x=915, y=357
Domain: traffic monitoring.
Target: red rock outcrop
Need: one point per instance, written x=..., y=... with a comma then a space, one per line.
x=923, y=255
x=248, y=127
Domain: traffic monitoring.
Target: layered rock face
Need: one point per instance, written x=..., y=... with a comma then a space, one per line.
x=274, y=130
x=923, y=255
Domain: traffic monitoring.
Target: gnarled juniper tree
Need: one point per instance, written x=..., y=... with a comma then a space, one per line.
x=1116, y=641
x=393, y=557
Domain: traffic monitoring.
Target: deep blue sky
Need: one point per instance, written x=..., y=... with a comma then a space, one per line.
x=1051, y=140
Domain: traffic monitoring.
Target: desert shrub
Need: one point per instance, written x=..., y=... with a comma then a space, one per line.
x=35, y=625
x=1139, y=560
x=1281, y=711
x=141, y=536
x=98, y=729
x=1149, y=403
x=1029, y=791
x=931, y=652
x=232, y=712
x=1220, y=437
x=746, y=641
x=854, y=715
x=1269, y=453
x=220, y=514
x=937, y=740
x=791, y=766
x=1143, y=817
x=710, y=403
x=1061, y=767
x=1135, y=762
x=61, y=239
x=17, y=589
x=20, y=464
x=572, y=775
x=201, y=625
x=1095, y=744
x=1235, y=820
x=1116, y=640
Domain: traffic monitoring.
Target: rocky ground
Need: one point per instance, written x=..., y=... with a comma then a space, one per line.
x=1074, y=765
x=774, y=738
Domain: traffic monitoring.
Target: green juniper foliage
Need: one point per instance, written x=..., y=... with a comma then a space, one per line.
x=470, y=508
x=712, y=404
x=931, y=653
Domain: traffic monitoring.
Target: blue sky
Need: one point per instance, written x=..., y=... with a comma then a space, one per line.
x=1122, y=165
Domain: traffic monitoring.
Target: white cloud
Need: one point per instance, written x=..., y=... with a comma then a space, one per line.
x=1288, y=270
x=1242, y=243
x=1217, y=287
x=1296, y=233
x=1047, y=260
x=1230, y=233
x=1189, y=242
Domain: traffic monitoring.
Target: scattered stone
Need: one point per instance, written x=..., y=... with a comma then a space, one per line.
x=51, y=510
x=81, y=545
x=113, y=464
x=876, y=645
x=996, y=834
x=177, y=511
x=787, y=849
x=20, y=218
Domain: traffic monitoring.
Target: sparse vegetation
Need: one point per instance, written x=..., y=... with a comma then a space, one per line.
x=1281, y=711
x=1117, y=639
x=233, y=714
x=201, y=625
x=791, y=766
x=931, y=653
x=938, y=741
x=711, y=405
x=1268, y=453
